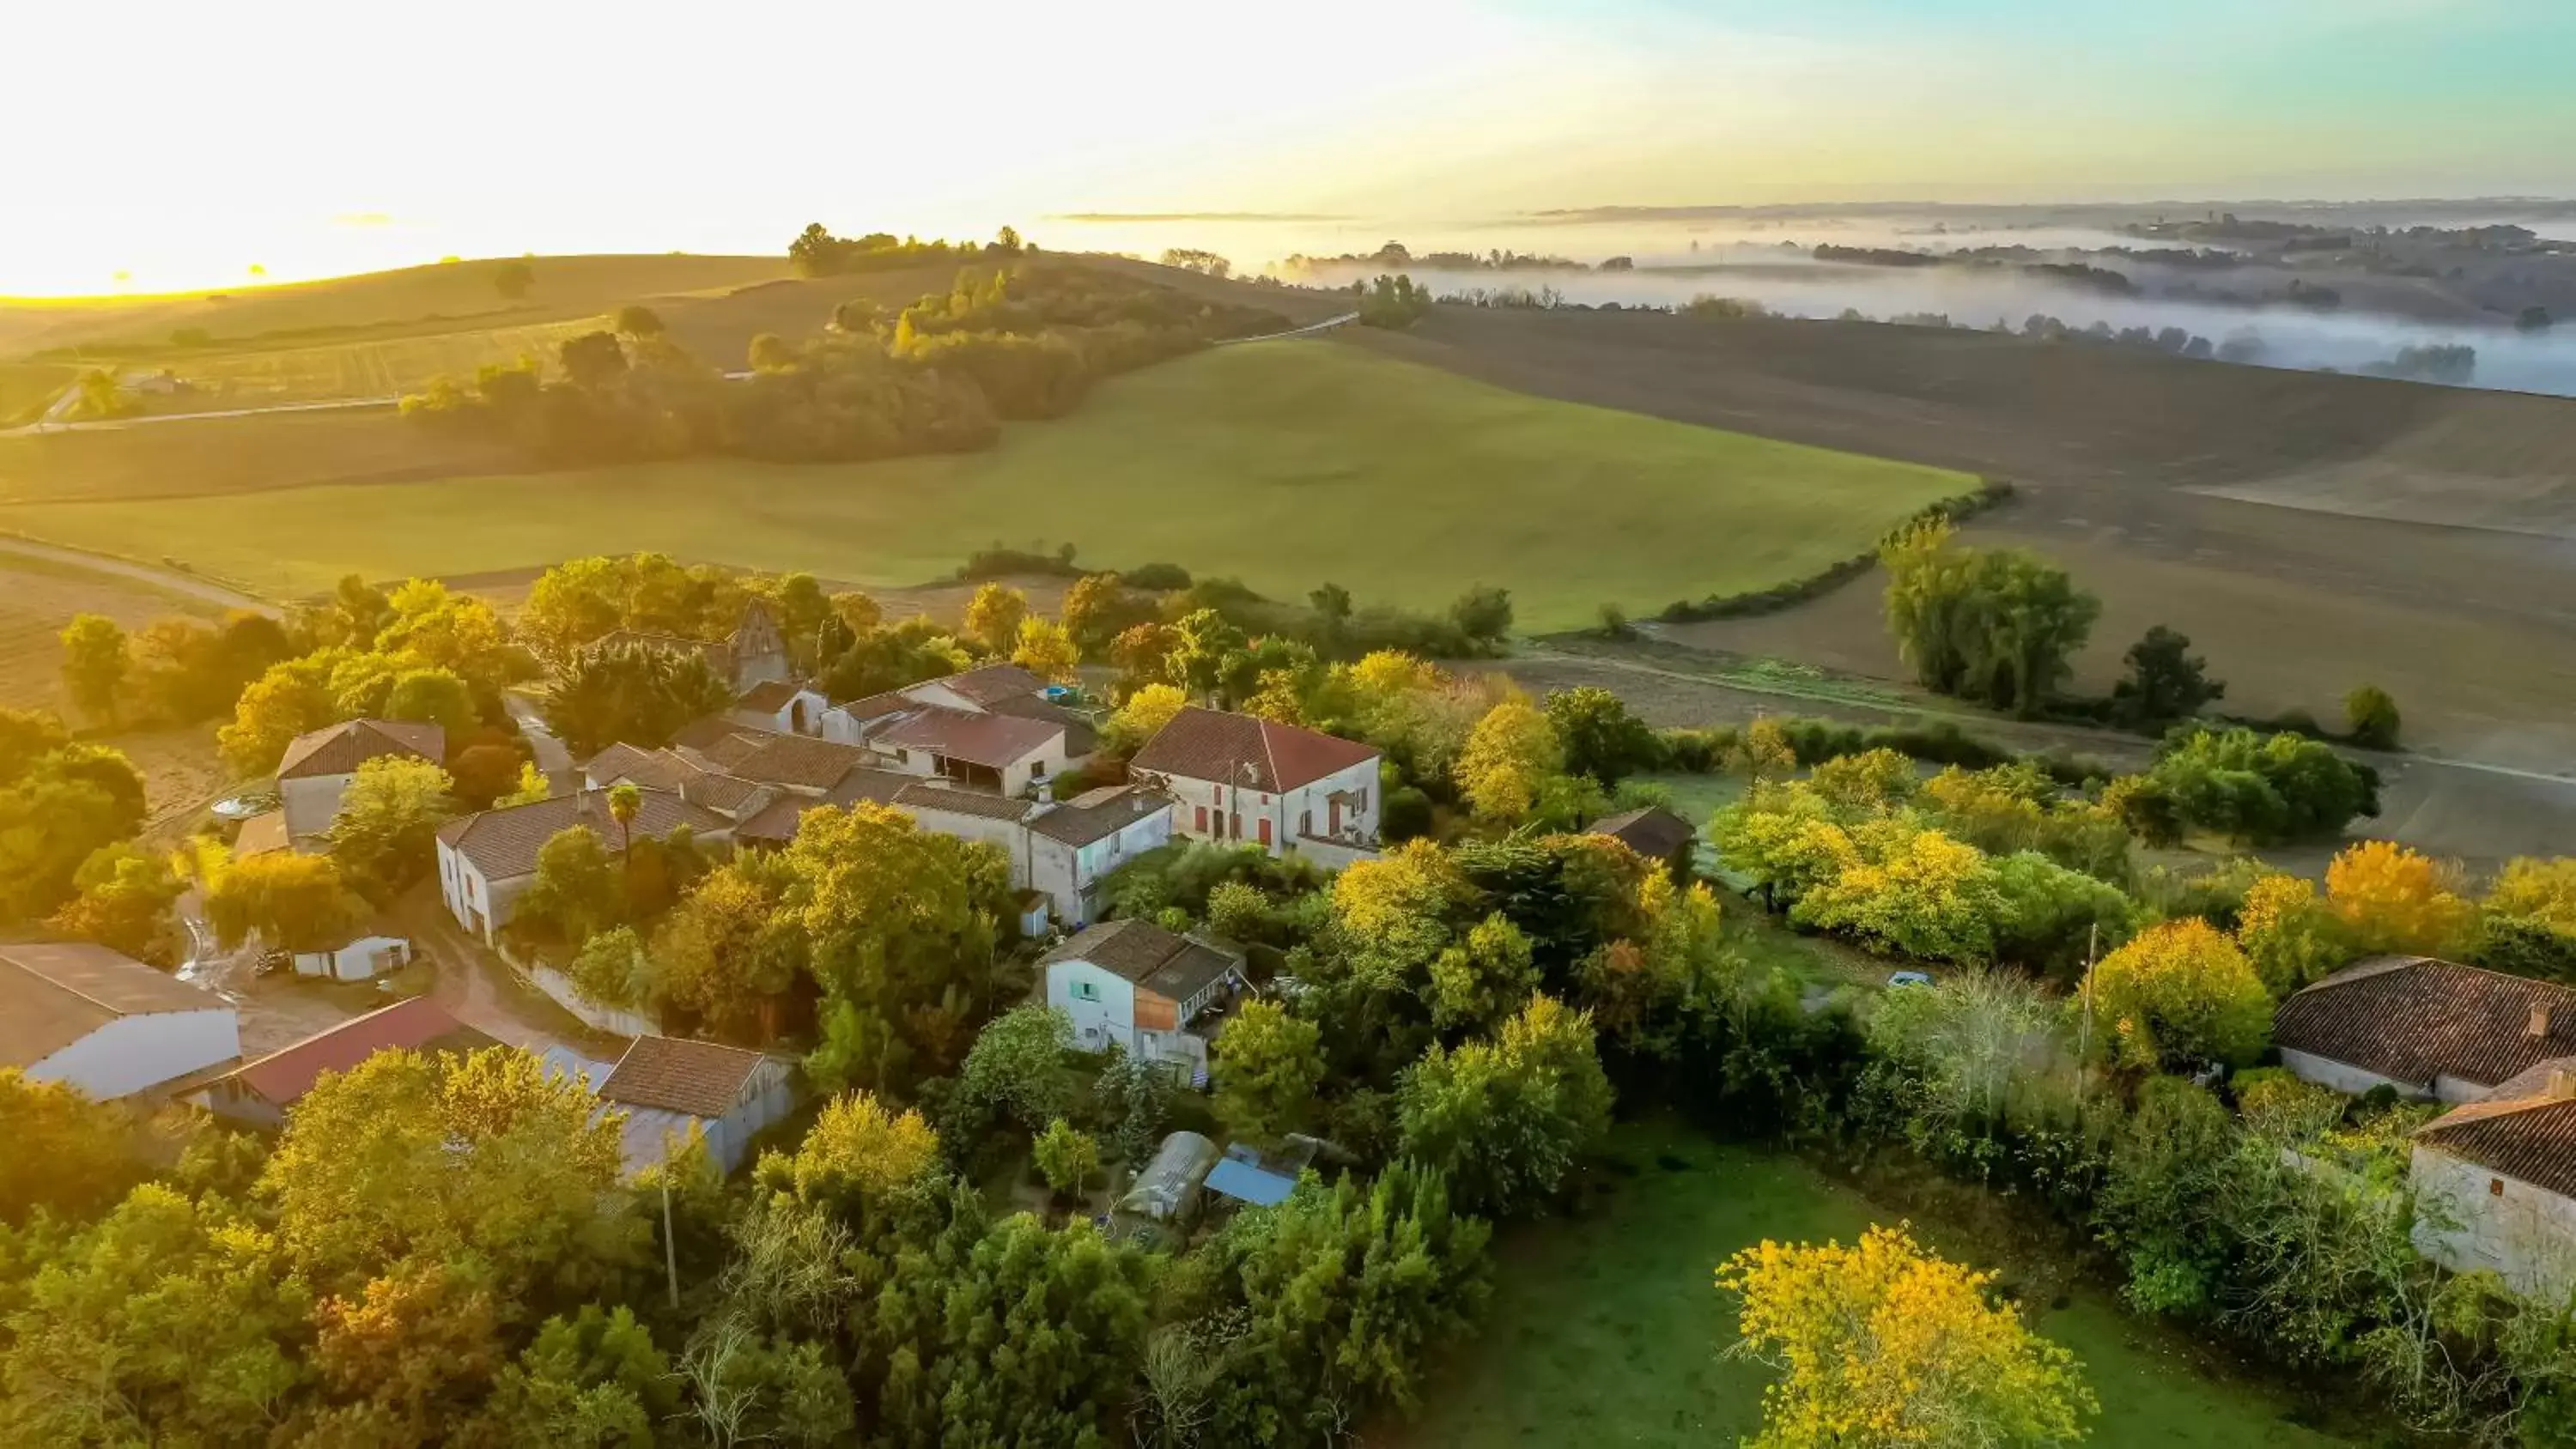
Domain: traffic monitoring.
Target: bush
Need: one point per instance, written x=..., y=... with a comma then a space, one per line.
x=997, y=562
x=1156, y=577
x=2372, y=717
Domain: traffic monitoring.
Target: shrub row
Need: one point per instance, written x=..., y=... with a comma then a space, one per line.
x=1782, y=596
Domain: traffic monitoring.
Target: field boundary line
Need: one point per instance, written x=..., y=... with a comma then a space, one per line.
x=195, y=586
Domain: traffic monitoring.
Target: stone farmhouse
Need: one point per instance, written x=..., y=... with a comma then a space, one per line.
x=317, y=768
x=1133, y=985
x=2494, y=1177
x=486, y=861
x=1292, y=791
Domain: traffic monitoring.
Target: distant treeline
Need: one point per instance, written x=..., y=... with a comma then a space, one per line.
x=1396, y=254
x=818, y=253
x=1015, y=342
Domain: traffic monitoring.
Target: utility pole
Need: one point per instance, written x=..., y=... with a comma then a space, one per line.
x=670, y=1244
x=2084, y=1029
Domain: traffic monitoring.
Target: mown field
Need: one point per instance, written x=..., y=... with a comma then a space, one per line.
x=1286, y=464
x=27, y=387
x=1607, y=1329
x=459, y=292
x=371, y=367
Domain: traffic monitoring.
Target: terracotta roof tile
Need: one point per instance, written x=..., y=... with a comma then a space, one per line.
x=1173, y=967
x=768, y=697
x=2412, y=1019
x=962, y=802
x=2525, y=1128
x=503, y=843
x=341, y=748
x=285, y=1075
x=1239, y=749
x=997, y=740
x=798, y=761
x=776, y=823
x=262, y=835
x=698, y=1078
x=990, y=684
x=1099, y=814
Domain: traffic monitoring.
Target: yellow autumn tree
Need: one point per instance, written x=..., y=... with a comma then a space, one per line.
x=1763, y=752
x=2179, y=994
x=1883, y=1344
x=2544, y=890
x=2393, y=900
x=1510, y=755
x=858, y=1152
x=993, y=617
x=1045, y=650
x=1145, y=713
x=2289, y=933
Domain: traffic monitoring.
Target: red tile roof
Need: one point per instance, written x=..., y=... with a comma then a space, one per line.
x=2525, y=1128
x=798, y=761
x=341, y=748
x=768, y=697
x=2412, y=1019
x=699, y=1078
x=419, y=1024
x=998, y=740
x=989, y=684
x=1239, y=749
x=503, y=843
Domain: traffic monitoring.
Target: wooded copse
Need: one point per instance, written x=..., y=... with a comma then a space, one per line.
x=1022, y=340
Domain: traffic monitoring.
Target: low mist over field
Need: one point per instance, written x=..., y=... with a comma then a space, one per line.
x=2395, y=289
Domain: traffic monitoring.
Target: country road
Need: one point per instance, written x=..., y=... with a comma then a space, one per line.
x=167, y=580
x=1327, y=325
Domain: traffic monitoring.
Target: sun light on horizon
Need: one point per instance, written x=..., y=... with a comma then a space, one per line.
x=312, y=139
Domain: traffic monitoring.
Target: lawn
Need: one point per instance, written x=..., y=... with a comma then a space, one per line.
x=1606, y=1330
x=1287, y=464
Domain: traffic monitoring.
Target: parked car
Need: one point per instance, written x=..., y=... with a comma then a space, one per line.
x=1910, y=978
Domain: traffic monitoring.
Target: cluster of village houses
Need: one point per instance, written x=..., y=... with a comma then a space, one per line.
x=975, y=755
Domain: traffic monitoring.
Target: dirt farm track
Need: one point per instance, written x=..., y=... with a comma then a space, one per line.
x=2419, y=537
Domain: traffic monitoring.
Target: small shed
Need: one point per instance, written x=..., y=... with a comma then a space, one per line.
x=1167, y=1191
x=667, y=1085
x=1260, y=1179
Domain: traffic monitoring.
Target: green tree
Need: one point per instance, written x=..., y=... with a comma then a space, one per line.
x=124, y=901
x=67, y=1155
x=729, y=949
x=1015, y=1070
x=636, y=320
x=1483, y=613
x=1996, y=626
x=96, y=661
x=487, y=1164
x=432, y=696
x=295, y=902
x=1268, y=1066
x=612, y=968
x=59, y=809
x=1504, y=1120
x=287, y=700
x=1602, y=739
x=856, y=1158
x=2179, y=995
x=168, y=1321
x=1068, y=1158
x=1202, y=644
x=2370, y=715
x=637, y=694
x=1479, y=983
x=2165, y=680
x=385, y=836
x=576, y=893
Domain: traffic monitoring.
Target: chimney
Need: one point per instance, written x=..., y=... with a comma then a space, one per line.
x=2539, y=1028
x=2561, y=1084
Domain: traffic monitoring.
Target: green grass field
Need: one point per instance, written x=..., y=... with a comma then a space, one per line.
x=1607, y=1329
x=1287, y=464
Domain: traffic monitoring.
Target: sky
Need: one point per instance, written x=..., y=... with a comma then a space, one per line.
x=171, y=144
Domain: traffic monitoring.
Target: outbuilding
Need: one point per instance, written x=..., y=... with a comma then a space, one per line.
x=668, y=1086
x=104, y=1022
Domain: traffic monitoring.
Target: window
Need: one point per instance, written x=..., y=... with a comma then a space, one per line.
x=1037, y=769
x=1202, y=826
x=2495, y=1187
x=903, y=757
x=1265, y=830
x=1084, y=990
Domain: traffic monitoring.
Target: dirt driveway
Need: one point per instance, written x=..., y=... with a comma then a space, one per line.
x=479, y=989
